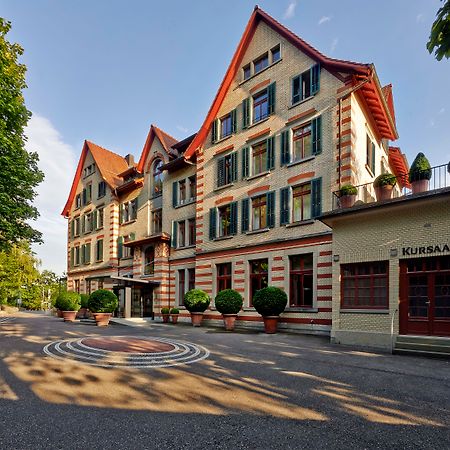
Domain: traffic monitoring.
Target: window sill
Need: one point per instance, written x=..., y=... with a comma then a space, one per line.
x=156, y=196
x=299, y=224
x=222, y=238
x=294, y=105
x=364, y=311
x=258, y=175
x=301, y=309
x=128, y=222
x=300, y=161
x=369, y=170
x=185, y=247
x=98, y=198
x=189, y=202
x=126, y=258
x=260, y=72
x=219, y=188
x=257, y=123
x=262, y=230
x=99, y=261
x=219, y=141
x=100, y=228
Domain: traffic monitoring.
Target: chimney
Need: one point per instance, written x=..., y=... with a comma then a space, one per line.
x=130, y=160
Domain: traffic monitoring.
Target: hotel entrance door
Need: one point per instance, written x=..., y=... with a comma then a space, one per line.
x=425, y=296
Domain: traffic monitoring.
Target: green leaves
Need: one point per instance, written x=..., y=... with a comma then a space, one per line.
x=439, y=40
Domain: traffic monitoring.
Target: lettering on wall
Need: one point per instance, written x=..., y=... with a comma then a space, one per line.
x=428, y=250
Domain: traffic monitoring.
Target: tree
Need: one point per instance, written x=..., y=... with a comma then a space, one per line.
x=19, y=172
x=440, y=33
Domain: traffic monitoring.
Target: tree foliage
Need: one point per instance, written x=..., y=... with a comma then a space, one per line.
x=440, y=33
x=19, y=172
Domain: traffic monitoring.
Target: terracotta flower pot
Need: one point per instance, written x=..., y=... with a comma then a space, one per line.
x=196, y=318
x=69, y=316
x=102, y=319
x=383, y=192
x=165, y=318
x=174, y=318
x=59, y=313
x=347, y=201
x=419, y=186
x=228, y=321
x=271, y=324
x=81, y=314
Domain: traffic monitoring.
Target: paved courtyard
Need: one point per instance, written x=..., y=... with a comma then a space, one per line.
x=75, y=386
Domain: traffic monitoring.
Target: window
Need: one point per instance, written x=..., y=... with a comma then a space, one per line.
x=101, y=189
x=77, y=256
x=87, y=194
x=301, y=200
x=275, y=52
x=192, y=187
x=89, y=170
x=181, y=286
x=87, y=223
x=157, y=221
x=191, y=231
x=85, y=253
x=149, y=261
x=259, y=270
x=259, y=158
x=180, y=194
x=225, y=221
x=370, y=154
x=227, y=169
x=226, y=128
x=191, y=279
x=259, y=212
x=88, y=287
x=223, y=276
x=261, y=63
x=364, y=285
x=181, y=233
x=77, y=227
x=182, y=191
x=306, y=84
x=302, y=147
x=99, y=250
x=157, y=178
x=77, y=286
x=78, y=201
x=100, y=284
x=128, y=211
x=247, y=72
x=126, y=251
x=260, y=106
x=100, y=217
x=301, y=280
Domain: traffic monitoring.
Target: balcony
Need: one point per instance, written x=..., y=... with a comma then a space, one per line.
x=366, y=193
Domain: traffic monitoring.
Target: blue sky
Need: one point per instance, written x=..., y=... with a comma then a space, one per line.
x=105, y=70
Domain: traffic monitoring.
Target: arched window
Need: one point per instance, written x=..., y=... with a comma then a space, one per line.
x=149, y=261
x=157, y=178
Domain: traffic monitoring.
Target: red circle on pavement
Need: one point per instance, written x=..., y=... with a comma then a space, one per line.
x=128, y=345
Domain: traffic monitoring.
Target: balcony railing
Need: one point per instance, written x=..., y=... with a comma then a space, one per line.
x=440, y=178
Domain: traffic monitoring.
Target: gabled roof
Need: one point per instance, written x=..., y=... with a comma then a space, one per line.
x=109, y=164
x=333, y=65
x=387, y=94
x=399, y=165
x=166, y=140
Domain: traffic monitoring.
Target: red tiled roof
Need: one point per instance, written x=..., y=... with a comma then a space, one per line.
x=387, y=94
x=399, y=165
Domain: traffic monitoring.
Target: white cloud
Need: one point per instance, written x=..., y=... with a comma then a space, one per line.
x=419, y=18
x=290, y=10
x=57, y=160
x=442, y=111
x=334, y=45
x=182, y=129
x=324, y=19
x=432, y=123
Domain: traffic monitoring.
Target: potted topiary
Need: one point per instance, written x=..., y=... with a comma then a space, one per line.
x=347, y=195
x=228, y=302
x=270, y=303
x=82, y=313
x=68, y=304
x=59, y=304
x=383, y=185
x=174, y=312
x=165, y=313
x=102, y=303
x=420, y=174
x=196, y=301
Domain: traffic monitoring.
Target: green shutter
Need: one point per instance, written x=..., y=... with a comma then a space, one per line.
x=173, y=240
x=246, y=113
x=373, y=158
x=285, y=147
x=87, y=249
x=120, y=247
x=94, y=219
x=284, y=205
x=175, y=194
x=245, y=162
x=233, y=218
x=271, y=209
x=132, y=236
x=212, y=223
x=72, y=257
x=83, y=226
x=214, y=133
x=245, y=221
x=315, y=78
x=234, y=121
x=72, y=229
x=271, y=98
x=121, y=213
x=84, y=197
x=316, y=197
x=270, y=142
x=82, y=254
x=234, y=169
x=316, y=131
x=296, y=89
x=220, y=172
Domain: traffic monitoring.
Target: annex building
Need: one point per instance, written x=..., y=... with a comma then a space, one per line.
x=249, y=200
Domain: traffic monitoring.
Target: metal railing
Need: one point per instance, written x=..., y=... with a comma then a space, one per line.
x=439, y=179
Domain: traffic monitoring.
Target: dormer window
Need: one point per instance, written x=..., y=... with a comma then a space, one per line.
x=261, y=63
x=276, y=54
x=89, y=170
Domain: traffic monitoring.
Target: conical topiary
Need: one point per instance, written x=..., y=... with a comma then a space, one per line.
x=420, y=168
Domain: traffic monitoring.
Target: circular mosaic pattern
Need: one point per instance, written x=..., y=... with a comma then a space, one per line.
x=126, y=351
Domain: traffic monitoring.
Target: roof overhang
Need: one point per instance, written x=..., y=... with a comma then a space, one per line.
x=160, y=237
x=130, y=185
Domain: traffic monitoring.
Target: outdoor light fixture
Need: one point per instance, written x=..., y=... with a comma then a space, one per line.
x=336, y=258
x=393, y=252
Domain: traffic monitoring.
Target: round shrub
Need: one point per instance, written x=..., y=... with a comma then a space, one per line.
x=84, y=300
x=102, y=301
x=196, y=300
x=270, y=301
x=348, y=189
x=228, y=301
x=420, y=168
x=174, y=311
x=68, y=301
x=385, y=179
x=165, y=310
